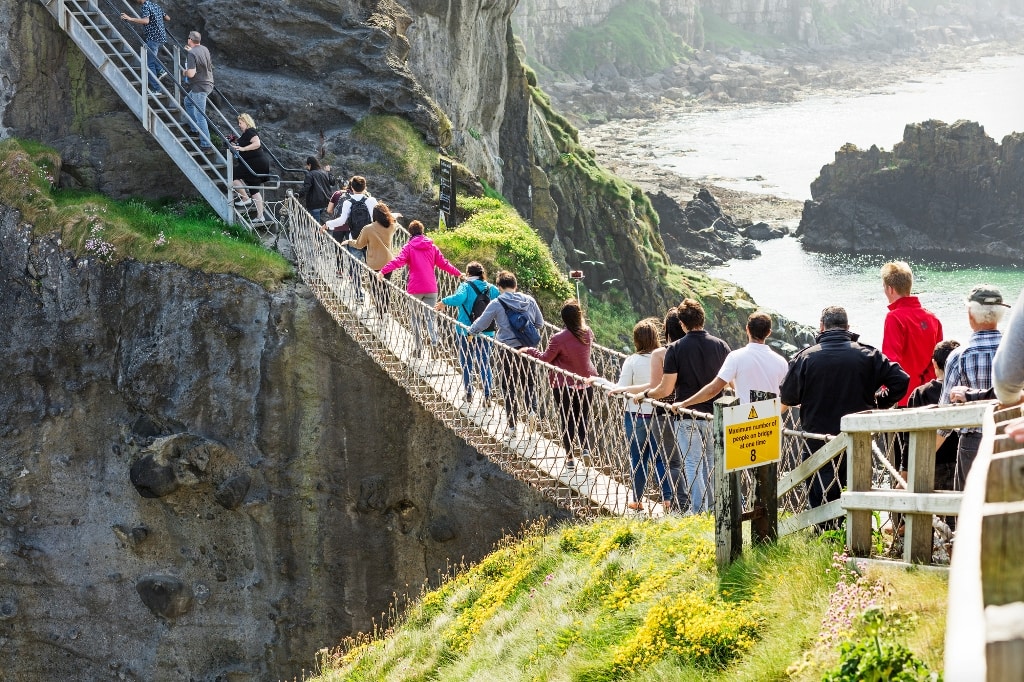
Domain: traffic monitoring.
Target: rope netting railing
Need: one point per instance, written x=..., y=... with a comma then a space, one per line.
x=589, y=450
x=571, y=443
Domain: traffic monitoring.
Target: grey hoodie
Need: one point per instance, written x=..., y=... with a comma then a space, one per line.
x=495, y=311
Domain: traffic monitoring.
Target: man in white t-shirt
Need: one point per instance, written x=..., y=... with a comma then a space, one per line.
x=754, y=368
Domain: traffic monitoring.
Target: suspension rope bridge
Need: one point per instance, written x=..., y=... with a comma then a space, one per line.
x=415, y=345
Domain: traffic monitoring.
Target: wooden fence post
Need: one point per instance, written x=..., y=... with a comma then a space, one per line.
x=728, y=515
x=917, y=536
x=858, y=479
x=764, y=526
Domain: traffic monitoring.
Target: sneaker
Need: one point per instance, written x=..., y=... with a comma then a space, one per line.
x=164, y=76
x=260, y=222
x=243, y=202
x=570, y=463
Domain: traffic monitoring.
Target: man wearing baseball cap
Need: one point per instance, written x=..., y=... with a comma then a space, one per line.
x=970, y=365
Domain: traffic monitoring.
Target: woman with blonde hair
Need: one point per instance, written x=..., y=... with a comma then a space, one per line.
x=252, y=166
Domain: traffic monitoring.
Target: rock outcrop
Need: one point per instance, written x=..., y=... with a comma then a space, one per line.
x=944, y=190
x=199, y=478
x=700, y=235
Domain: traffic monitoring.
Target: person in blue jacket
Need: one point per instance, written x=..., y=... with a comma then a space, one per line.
x=474, y=357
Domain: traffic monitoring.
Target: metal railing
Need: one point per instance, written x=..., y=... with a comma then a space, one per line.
x=119, y=53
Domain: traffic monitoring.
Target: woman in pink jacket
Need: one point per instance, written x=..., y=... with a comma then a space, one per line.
x=421, y=255
x=569, y=349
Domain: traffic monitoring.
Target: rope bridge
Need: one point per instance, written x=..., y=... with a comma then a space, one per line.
x=577, y=455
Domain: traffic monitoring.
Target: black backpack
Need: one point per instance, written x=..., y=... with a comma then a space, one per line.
x=522, y=326
x=358, y=216
x=480, y=304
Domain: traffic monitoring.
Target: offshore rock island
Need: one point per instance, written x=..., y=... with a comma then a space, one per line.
x=946, y=191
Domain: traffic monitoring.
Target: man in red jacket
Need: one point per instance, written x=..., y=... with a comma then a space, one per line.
x=911, y=330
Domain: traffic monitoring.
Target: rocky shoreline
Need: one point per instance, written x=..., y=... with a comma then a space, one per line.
x=616, y=147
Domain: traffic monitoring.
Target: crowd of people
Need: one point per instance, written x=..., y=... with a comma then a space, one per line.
x=679, y=369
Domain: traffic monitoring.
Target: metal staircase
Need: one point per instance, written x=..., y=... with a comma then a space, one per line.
x=120, y=57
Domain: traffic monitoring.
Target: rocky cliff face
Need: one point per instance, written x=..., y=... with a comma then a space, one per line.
x=943, y=190
x=197, y=480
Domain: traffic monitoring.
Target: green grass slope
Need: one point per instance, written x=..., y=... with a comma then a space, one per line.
x=91, y=225
x=620, y=599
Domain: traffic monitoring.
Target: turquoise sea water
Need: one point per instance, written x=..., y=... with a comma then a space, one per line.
x=799, y=284
x=780, y=148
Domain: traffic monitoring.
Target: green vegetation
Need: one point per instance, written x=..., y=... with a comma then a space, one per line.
x=621, y=599
x=495, y=235
x=93, y=226
x=723, y=34
x=406, y=155
x=612, y=320
x=633, y=37
x=621, y=196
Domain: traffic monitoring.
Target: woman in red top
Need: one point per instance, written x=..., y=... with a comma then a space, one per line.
x=569, y=350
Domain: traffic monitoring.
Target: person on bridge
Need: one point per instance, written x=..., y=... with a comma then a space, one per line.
x=570, y=349
x=831, y=379
x=474, y=357
x=517, y=381
x=1008, y=368
x=152, y=18
x=421, y=256
x=252, y=168
x=376, y=238
x=343, y=226
x=970, y=367
x=641, y=422
x=690, y=363
x=198, y=71
x=911, y=331
x=754, y=370
x=316, y=188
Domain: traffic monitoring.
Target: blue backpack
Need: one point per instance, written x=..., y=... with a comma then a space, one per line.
x=522, y=326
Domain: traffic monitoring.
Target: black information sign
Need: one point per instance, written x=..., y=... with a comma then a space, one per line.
x=447, y=194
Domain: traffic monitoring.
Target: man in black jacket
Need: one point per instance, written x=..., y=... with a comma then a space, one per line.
x=316, y=188
x=833, y=378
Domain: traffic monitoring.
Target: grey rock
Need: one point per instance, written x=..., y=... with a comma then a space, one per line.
x=763, y=231
x=132, y=338
x=166, y=596
x=231, y=493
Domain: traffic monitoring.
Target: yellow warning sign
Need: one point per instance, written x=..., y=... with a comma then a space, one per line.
x=753, y=434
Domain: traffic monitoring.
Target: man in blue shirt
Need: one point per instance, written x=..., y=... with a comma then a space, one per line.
x=970, y=366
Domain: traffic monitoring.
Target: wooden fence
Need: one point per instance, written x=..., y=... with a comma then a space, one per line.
x=862, y=496
x=985, y=619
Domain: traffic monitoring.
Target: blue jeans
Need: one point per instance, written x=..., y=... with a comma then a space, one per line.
x=697, y=443
x=153, y=61
x=195, y=109
x=643, y=450
x=318, y=215
x=475, y=358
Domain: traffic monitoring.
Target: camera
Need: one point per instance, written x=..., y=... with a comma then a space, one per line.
x=575, y=274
